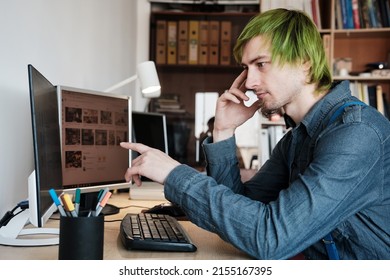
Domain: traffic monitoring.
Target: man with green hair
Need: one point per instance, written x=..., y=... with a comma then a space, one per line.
x=325, y=191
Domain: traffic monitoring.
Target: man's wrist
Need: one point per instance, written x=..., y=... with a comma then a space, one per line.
x=220, y=135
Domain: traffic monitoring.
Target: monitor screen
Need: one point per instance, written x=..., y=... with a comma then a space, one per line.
x=150, y=129
x=92, y=126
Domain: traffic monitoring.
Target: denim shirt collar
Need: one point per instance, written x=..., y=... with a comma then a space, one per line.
x=317, y=115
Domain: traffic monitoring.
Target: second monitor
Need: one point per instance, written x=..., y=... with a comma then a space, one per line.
x=150, y=129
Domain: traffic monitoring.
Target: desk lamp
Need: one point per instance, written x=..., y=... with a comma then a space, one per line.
x=147, y=74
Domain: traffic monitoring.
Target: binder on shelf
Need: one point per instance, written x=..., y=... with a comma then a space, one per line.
x=182, y=48
x=161, y=42
x=226, y=37
x=203, y=42
x=193, y=44
x=214, y=42
x=172, y=42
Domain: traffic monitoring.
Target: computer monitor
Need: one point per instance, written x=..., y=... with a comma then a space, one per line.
x=76, y=136
x=92, y=126
x=149, y=129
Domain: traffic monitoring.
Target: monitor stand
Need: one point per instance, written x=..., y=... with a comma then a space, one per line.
x=10, y=233
x=15, y=228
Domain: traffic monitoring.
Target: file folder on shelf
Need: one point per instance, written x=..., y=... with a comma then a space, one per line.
x=161, y=41
x=214, y=42
x=182, y=48
x=172, y=42
x=203, y=42
x=226, y=35
x=193, y=37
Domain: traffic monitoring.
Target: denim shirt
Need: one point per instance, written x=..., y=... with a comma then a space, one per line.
x=320, y=178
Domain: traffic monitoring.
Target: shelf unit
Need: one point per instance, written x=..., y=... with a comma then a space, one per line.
x=361, y=45
x=185, y=80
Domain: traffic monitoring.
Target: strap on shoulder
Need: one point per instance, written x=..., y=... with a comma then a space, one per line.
x=339, y=110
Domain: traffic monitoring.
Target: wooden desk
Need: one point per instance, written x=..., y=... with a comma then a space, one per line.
x=209, y=245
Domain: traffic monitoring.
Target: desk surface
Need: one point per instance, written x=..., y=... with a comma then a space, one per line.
x=210, y=246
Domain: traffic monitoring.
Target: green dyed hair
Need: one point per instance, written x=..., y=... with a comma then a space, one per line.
x=293, y=38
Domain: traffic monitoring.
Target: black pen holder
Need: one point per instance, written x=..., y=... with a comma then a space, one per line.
x=81, y=238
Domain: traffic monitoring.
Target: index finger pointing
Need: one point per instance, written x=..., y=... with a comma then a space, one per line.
x=138, y=147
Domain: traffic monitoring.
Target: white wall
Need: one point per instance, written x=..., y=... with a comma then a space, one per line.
x=87, y=44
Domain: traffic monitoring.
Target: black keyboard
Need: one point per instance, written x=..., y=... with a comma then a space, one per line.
x=155, y=232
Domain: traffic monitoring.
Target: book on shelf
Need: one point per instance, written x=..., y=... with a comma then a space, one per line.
x=167, y=103
x=356, y=14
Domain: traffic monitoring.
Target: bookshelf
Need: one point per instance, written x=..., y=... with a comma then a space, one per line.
x=359, y=45
x=183, y=78
x=365, y=40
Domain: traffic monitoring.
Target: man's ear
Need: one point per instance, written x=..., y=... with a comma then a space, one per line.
x=306, y=65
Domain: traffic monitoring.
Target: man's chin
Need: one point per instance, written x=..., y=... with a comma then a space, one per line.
x=266, y=112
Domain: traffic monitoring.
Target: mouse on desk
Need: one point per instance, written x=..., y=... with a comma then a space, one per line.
x=167, y=208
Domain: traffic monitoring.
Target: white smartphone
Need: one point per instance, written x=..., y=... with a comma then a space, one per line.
x=252, y=98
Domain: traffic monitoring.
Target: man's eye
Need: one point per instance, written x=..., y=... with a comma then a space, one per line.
x=262, y=64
